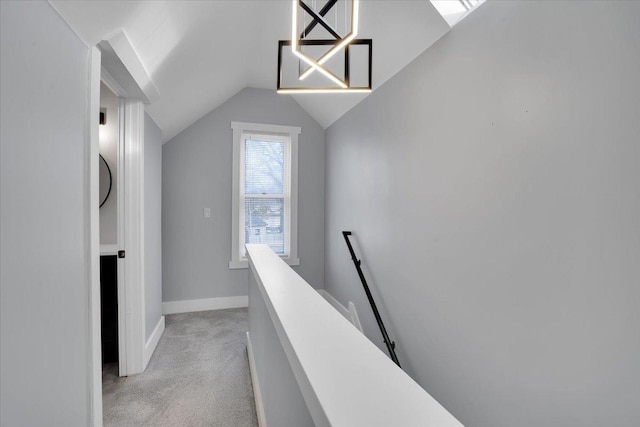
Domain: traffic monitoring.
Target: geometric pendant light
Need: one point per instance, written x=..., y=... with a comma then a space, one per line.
x=319, y=57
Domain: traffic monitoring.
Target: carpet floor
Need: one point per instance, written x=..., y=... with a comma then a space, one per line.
x=198, y=376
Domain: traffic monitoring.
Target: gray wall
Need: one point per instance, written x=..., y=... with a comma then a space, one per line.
x=152, y=223
x=196, y=173
x=494, y=188
x=108, y=140
x=44, y=323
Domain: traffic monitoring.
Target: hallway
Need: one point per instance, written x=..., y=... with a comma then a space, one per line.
x=198, y=376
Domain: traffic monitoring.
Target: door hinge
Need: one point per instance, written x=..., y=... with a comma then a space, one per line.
x=120, y=254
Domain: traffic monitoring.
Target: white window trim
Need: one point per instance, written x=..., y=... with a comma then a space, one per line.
x=239, y=128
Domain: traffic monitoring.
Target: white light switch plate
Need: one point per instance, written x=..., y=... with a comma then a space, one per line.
x=207, y=212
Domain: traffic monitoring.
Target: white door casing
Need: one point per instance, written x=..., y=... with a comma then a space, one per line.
x=131, y=319
x=131, y=308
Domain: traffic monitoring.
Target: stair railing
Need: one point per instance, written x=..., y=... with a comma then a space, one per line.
x=391, y=345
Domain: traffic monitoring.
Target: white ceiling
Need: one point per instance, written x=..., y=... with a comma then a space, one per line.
x=201, y=53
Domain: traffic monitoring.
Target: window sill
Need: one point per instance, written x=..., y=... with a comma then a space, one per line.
x=236, y=265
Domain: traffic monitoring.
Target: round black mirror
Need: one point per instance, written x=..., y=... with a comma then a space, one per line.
x=105, y=180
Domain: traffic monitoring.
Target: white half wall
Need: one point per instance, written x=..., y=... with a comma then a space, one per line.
x=493, y=191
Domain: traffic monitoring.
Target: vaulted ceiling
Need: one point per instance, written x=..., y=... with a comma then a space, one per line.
x=201, y=53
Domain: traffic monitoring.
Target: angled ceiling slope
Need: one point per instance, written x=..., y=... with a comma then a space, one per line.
x=199, y=54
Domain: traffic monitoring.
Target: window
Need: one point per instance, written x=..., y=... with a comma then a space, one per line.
x=453, y=11
x=265, y=190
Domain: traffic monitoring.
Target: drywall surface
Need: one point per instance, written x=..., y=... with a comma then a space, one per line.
x=44, y=322
x=152, y=223
x=108, y=140
x=197, y=172
x=282, y=401
x=493, y=188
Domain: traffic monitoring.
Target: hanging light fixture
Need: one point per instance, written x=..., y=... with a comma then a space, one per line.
x=337, y=78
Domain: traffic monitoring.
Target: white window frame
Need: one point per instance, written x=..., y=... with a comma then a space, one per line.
x=290, y=134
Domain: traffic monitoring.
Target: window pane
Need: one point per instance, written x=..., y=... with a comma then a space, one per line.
x=264, y=166
x=264, y=222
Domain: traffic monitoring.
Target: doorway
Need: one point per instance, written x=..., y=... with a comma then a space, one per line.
x=109, y=167
x=113, y=62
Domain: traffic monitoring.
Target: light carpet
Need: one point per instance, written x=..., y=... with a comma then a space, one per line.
x=198, y=376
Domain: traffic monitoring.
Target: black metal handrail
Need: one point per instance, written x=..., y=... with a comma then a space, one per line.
x=391, y=345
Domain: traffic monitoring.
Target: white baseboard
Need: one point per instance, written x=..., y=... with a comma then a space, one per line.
x=262, y=421
x=188, y=306
x=152, y=342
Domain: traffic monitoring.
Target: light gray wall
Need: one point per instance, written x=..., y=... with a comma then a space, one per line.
x=196, y=173
x=44, y=323
x=108, y=140
x=494, y=188
x=152, y=223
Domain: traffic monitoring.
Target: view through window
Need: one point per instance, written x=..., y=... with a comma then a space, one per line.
x=265, y=191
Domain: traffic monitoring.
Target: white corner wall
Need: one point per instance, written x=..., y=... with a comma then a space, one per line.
x=493, y=187
x=44, y=322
